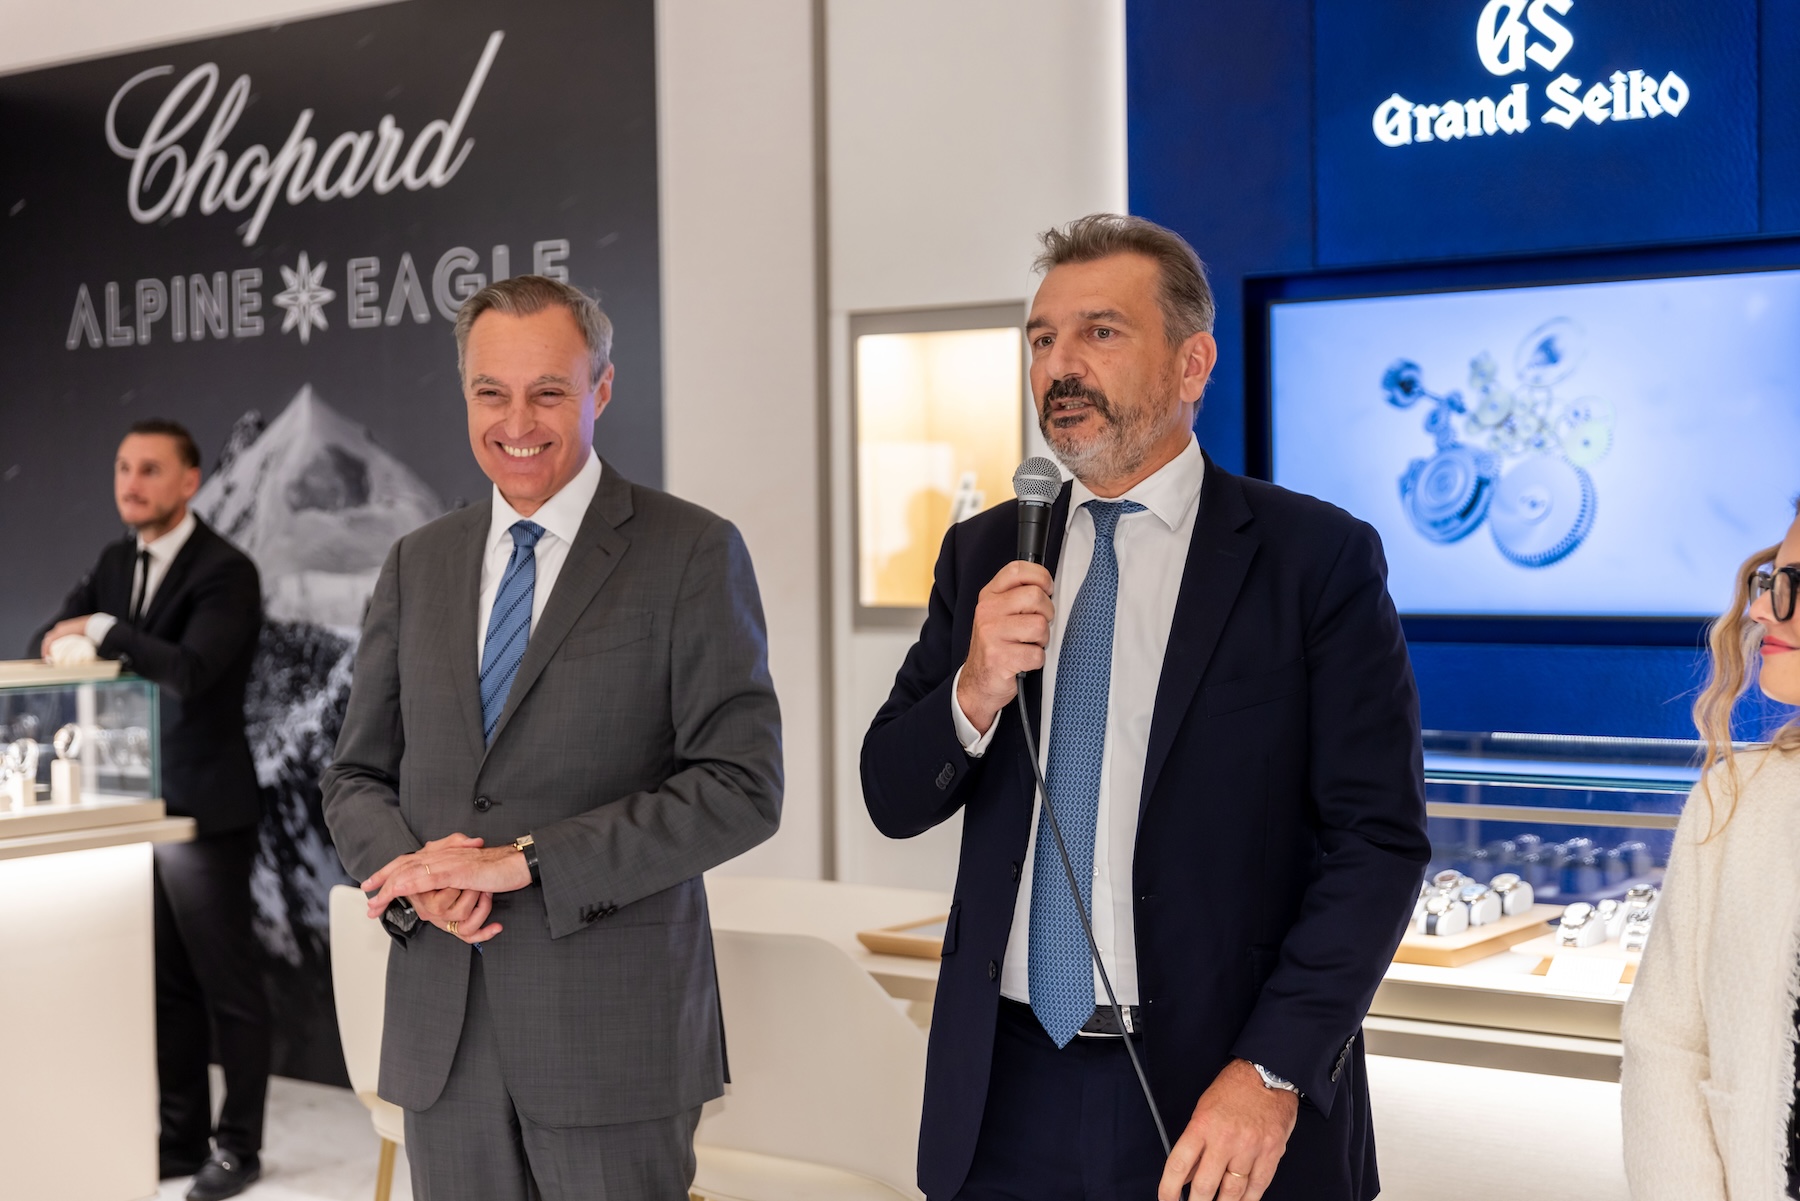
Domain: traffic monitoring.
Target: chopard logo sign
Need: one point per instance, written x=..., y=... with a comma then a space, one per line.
x=1512, y=37
x=168, y=178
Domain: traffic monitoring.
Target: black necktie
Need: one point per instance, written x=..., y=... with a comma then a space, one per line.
x=140, y=587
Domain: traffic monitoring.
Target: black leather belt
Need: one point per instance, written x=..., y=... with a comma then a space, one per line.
x=1102, y=1023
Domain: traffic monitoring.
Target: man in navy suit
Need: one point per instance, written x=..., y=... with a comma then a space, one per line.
x=1230, y=734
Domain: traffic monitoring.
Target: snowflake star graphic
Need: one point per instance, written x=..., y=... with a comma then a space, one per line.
x=305, y=298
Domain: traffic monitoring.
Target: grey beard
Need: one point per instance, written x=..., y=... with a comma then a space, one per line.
x=1119, y=450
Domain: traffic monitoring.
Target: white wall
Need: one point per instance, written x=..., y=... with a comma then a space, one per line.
x=957, y=132
x=740, y=348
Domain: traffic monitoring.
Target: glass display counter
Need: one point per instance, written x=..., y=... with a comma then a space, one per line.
x=80, y=809
x=1583, y=822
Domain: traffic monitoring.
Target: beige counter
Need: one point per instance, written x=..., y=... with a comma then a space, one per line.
x=1490, y=1013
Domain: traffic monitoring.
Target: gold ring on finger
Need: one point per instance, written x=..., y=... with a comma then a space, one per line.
x=451, y=926
x=1228, y=1171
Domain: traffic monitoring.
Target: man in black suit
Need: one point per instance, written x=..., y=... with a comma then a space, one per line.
x=179, y=605
x=1230, y=734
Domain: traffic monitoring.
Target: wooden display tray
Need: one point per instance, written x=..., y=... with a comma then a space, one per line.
x=923, y=939
x=1549, y=949
x=1478, y=942
x=16, y=673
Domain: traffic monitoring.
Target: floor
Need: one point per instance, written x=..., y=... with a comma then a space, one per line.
x=1438, y=1126
x=320, y=1148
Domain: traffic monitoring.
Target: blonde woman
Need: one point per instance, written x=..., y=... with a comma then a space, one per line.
x=1709, y=1078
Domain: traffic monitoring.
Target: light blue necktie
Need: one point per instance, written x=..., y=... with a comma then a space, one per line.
x=1061, y=971
x=509, y=625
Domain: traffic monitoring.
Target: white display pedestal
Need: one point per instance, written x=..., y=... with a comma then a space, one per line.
x=78, y=1101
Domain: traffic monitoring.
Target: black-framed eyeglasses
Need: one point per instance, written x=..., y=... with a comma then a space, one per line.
x=1782, y=584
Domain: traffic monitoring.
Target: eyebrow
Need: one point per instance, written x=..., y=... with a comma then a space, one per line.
x=542, y=379
x=1114, y=316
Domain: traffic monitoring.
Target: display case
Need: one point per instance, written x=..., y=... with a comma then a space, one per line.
x=82, y=738
x=1586, y=823
x=80, y=813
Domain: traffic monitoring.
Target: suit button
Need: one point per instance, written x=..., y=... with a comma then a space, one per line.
x=945, y=774
x=482, y=804
x=1015, y=873
x=993, y=970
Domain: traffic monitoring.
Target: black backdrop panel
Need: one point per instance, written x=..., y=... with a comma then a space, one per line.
x=265, y=236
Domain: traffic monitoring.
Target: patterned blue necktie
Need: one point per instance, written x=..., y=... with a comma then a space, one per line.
x=1061, y=970
x=509, y=625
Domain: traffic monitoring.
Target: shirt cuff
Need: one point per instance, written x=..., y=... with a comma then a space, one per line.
x=99, y=626
x=974, y=742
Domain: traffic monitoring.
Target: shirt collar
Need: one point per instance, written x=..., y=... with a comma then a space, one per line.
x=561, y=515
x=165, y=548
x=1171, y=492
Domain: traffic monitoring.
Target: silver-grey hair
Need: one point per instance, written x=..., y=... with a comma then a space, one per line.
x=523, y=295
x=1186, y=299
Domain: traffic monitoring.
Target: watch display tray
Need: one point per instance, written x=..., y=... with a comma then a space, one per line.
x=923, y=939
x=1477, y=942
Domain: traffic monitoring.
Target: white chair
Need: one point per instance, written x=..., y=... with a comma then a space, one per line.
x=827, y=1078
x=359, y=955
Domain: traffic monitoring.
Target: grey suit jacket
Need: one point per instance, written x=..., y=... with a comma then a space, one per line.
x=640, y=746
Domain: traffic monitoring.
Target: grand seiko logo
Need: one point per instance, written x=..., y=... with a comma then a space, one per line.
x=1514, y=37
x=168, y=179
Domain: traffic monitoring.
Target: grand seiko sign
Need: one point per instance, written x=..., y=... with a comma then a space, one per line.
x=1515, y=37
x=169, y=177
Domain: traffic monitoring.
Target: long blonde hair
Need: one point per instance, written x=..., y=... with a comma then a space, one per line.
x=1735, y=641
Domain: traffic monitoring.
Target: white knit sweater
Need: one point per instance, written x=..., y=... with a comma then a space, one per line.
x=1709, y=1031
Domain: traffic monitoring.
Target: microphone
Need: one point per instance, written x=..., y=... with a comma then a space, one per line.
x=1037, y=483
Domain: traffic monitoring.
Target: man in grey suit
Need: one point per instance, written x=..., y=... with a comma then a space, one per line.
x=562, y=716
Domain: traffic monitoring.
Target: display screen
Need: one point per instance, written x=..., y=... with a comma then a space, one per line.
x=1598, y=449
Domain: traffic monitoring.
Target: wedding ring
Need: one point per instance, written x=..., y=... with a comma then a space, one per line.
x=1244, y=1175
x=428, y=869
x=450, y=926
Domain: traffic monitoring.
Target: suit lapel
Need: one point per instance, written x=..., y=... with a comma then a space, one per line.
x=1218, y=559
x=465, y=610
x=179, y=569
x=591, y=561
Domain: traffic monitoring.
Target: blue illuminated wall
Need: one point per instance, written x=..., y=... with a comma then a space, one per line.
x=1254, y=130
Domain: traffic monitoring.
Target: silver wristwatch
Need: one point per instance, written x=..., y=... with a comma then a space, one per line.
x=1271, y=1080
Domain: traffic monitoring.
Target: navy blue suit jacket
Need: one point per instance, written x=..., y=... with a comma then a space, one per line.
x=1281, y=829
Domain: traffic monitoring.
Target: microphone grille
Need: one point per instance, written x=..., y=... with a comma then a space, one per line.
x=1037, y=479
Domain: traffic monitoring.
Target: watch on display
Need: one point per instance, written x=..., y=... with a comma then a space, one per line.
x=1515, y=895
x=1581, y=926
x=1444, y=916
x=1483, y=902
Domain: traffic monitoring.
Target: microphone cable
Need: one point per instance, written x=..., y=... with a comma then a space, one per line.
x=1087, y=926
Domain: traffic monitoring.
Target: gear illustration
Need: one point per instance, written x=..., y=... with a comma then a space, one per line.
x=1542, y=510
x=1514, y=457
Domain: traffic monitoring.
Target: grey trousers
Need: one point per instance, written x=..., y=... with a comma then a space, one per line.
x=473, y=1145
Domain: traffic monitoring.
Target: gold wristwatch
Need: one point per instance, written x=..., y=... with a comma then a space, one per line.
x=526, y=845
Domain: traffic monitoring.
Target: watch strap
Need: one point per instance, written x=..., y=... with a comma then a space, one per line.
x=527, y=846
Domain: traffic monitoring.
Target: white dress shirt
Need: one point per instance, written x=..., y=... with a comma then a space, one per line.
x=1152, y=549
x=162, y=554
x=561, y=517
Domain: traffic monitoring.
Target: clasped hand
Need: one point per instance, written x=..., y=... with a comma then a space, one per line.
x=451, y=882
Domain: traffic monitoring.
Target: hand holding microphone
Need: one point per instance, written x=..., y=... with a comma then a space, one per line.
x=1013, y=616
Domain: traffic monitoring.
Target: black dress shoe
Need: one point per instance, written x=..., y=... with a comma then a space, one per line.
x=169, y=1167
x=224, y=1175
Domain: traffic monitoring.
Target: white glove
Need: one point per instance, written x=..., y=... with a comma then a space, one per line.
x=73, y=650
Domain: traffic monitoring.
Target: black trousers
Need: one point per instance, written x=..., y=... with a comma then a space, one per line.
x=1068, y=1125
x=209, y=983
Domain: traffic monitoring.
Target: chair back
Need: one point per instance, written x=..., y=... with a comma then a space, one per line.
x=825, y=1066
x=359, y=955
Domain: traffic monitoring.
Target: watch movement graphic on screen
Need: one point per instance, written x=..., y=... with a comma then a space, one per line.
x=1603, y=449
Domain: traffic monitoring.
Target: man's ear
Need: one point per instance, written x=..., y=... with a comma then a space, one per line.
x=603, y=391
x=1198, y=356
x=190, y=482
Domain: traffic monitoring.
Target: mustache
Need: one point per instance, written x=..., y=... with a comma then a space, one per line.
x=1070, y=388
